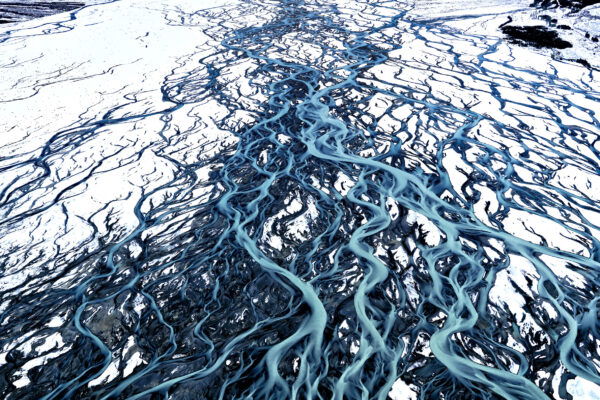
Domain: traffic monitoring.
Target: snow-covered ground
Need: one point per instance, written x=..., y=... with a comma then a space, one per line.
x=12, y=11
x=581, y=28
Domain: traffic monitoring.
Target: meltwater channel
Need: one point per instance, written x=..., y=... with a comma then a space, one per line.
x=316, y=199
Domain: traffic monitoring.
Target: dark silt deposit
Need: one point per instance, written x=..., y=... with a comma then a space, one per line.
x=536, y=36
x=22, y=11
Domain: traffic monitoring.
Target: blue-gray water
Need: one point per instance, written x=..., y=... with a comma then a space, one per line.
x=342, y=202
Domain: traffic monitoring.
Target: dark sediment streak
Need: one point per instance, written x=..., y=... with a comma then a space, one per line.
x=22, y=11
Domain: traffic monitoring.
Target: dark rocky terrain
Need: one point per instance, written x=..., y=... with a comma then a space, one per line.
x=574, y=5
x=537, y=36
